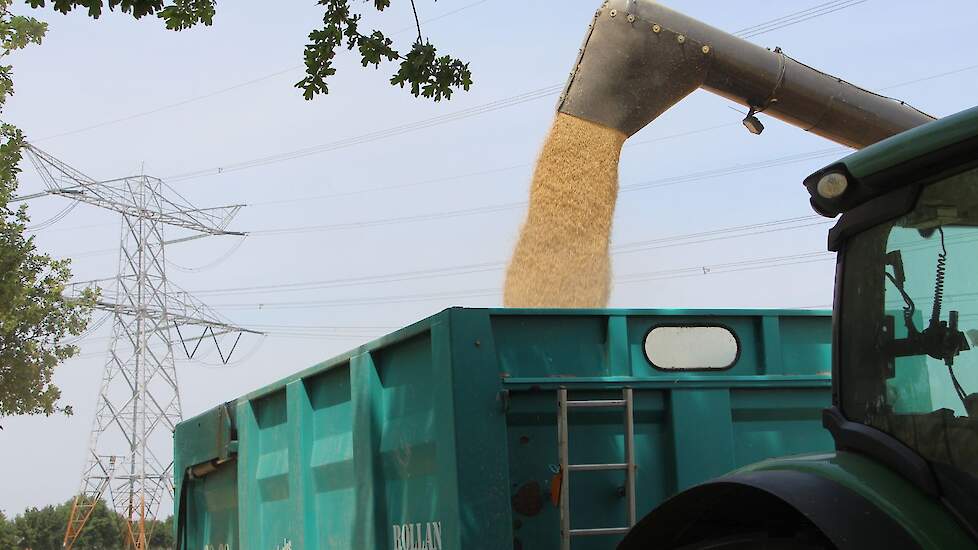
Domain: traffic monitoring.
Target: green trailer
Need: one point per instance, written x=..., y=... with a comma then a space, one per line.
x=483, y=428
x=560, y=429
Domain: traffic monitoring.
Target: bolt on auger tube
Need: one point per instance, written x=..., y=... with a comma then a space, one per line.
x=640, y=58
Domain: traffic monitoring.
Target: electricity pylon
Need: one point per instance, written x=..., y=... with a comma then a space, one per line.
x=130, y=449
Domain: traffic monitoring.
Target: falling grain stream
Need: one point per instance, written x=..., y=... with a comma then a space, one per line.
x=561, y=257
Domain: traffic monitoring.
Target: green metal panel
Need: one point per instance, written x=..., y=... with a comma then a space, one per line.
x=924, y=518
x=472, y=373
x=207, y=437
x=702, y=434
x=328, y=484
x=267, y=493
x=443, y=434
x=213, y=505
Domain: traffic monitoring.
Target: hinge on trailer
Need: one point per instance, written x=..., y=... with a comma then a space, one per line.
x=503, y=398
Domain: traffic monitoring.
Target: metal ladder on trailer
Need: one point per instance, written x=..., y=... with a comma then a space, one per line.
x=564, y=405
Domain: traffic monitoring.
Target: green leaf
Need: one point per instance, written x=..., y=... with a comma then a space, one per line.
x=183, y=14
x=178, y=14
x=421, y=70
x=35, y=316
x=431, y=76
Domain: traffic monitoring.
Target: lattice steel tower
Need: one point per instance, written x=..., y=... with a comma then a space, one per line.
x=130, y=450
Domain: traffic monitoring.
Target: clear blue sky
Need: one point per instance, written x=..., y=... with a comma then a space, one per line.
x=88, y=73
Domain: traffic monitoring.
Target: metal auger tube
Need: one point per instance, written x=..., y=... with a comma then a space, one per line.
x=640, y=58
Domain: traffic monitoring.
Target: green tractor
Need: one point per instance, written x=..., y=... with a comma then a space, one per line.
x=904, y=412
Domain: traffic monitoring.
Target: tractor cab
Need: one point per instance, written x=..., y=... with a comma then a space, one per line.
x=906, y=305
x=904, y=414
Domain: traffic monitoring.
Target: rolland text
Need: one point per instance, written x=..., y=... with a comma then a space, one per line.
x=418, y=536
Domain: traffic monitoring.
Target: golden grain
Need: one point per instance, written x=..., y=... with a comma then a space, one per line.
x=561, y=257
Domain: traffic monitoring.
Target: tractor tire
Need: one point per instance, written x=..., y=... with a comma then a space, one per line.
x=761, y=541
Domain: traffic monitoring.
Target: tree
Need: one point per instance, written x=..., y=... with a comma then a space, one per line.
x=44, y=529
x=8, y=533
x=35, y=316
x=162, y=536
x=41, y=528
x=425, y=72
x=103, y=530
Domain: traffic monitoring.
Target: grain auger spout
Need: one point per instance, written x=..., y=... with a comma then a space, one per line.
x=640, y=58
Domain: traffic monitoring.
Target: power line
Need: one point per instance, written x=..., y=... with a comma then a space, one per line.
x=341, y=328
x=627, y=248
x=478, y=173
x=468, y=175
x=797, y=17
x=650, y=184
x=645, y=248
x=546, y=91
x=745, y=30
x=169, y=106
x=661, y=182
x=733, y=170
x=931, y=77
x=421, y=274
x=772, y=226
x=389, y=221
x=685, y=272
x=444, y=15
x=91, y=328
x=217, y=261
x=53, y=219
x=328, y=338
x=324, y=331
x=293, y=68
x=490, y=209
x=72, y=228
x=803, y=156
x=526, y=164
x=519, y=99
x=738, y=265
x=90, y=253
x=768, y=26
x=354, y=192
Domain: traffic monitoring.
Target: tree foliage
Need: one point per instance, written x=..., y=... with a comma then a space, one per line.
x=37, y=528
x=44, y=529
x=420, y=69
x=35, y=317
x=8, y=533
x=428, y=74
